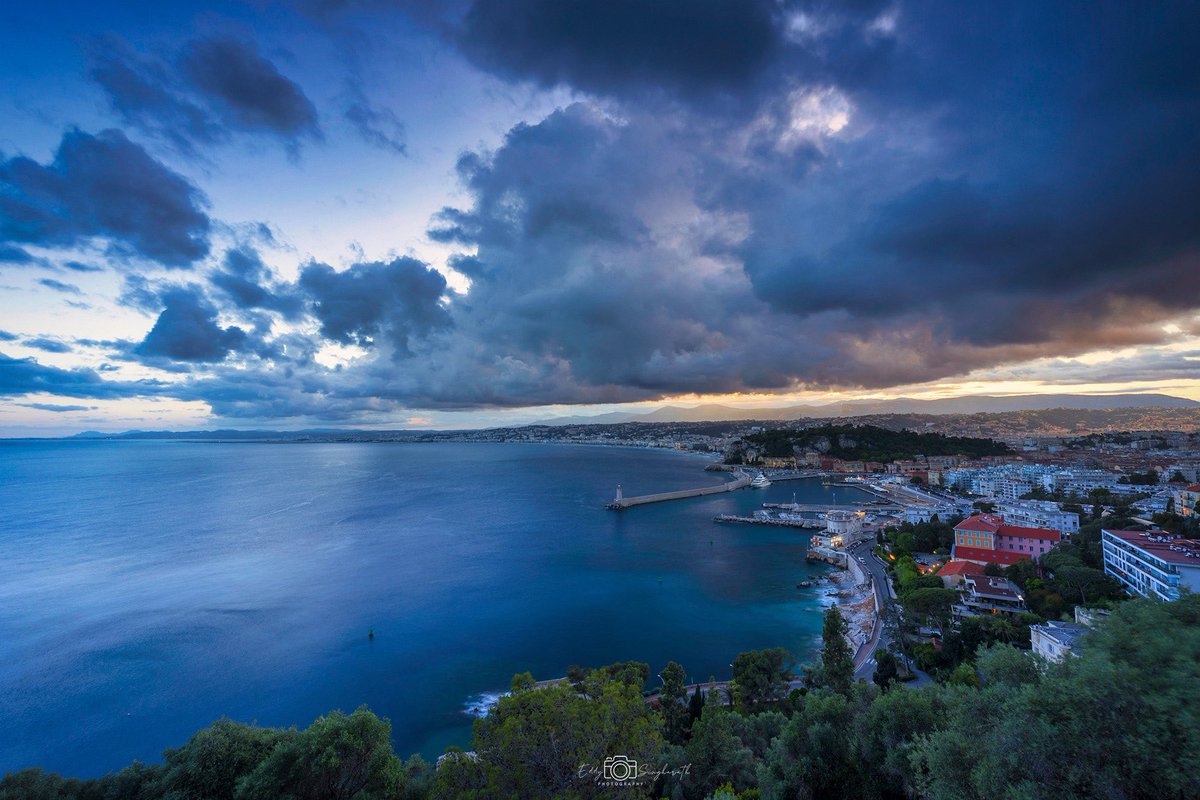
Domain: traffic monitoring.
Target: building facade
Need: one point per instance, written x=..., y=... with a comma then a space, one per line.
x=1187, y=499
x=1152, y=563
x=1040, y=514
x=986, y=538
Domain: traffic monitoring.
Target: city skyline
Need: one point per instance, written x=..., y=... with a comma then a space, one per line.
x=457, y=214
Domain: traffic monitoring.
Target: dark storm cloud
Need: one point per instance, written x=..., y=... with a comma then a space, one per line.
x=378, y=127
x=398, y=300
x=59, y=286
x=103, y=185
x=146, y=95
x=187, y=330
x=20, y=376
x=235, y=77
x=1010, y=183
x=216, y=86
x=1049, y=183
x=623, y=45
x=247, y=281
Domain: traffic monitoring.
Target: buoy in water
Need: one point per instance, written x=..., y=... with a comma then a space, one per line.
x=371, y=633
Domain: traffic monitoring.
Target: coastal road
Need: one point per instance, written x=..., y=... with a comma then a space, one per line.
x=865, y=659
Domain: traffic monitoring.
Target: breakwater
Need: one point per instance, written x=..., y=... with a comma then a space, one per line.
x=621, y=503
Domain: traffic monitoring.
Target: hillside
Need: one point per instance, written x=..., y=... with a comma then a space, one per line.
x=859, y=443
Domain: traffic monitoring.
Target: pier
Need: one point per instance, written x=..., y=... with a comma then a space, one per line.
x=825, y=508
x=621, y=502
x=810, y=524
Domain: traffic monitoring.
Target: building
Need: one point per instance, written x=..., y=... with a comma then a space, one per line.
x=1040, y=514
x=1190, y=472
x=986, y=538
x=1152, y=563
x=987, y=594
x=1054, y=641
x=847, y=524
x=953, y=573
x=1187, y=499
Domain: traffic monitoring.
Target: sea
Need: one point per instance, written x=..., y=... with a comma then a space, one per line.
x=149, y=588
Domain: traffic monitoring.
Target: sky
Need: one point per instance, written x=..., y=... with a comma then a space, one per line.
x=463, y=213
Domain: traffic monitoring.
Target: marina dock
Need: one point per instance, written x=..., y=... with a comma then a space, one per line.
x=825, y=508
x=621, y=502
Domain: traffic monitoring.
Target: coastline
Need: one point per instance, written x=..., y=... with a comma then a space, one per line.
x=855, y=598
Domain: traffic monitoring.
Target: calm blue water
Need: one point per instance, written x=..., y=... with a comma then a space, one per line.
x=148, y=588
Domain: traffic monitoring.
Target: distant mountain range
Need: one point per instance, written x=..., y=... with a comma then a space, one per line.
x=230, y=435
x=976, y=404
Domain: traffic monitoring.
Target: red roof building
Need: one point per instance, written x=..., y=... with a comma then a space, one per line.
x=982, y=555
x=952, y=573
x=988, y=539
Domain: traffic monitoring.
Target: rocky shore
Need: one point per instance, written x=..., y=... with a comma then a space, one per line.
x=856, y=601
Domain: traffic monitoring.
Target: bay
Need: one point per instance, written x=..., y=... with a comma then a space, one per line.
x=148, y=588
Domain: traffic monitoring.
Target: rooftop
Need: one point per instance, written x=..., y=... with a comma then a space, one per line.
x=994, y=587
x=980, y=522
x=960, y=568
x=1164, y=545
x=1065, y=633
x=1005, y=557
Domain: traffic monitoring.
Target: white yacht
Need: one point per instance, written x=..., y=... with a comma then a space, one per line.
x=760, y=481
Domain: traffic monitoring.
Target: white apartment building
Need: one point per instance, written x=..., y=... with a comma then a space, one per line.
x=1152, y=563
x=1039, y=514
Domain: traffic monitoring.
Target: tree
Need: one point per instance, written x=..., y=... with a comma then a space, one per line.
x=1021, y=572
x=964, y=675
x=216, y=758
x=932, y=605
x=837, y=661
x=886, y=671
x=716, y=754
x=338, y=757
x=695, y=706
x=761, y=678
x=1005, y=665
x=534, y=742
x=1116, y=721
x=885, y=734
x=674, y=703
x=813, y=756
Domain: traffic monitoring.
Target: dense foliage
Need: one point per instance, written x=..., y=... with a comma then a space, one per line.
x=860, y=443
x=1118, y=721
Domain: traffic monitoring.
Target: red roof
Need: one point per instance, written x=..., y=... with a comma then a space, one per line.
x=980, y=522
x=1029, y=533
x=983, y=555
x=959, y=568
x=1195, y=488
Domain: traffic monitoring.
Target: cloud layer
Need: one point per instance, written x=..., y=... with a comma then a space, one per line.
x=741, y=197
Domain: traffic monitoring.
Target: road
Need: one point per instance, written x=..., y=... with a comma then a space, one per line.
x=864, y=660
